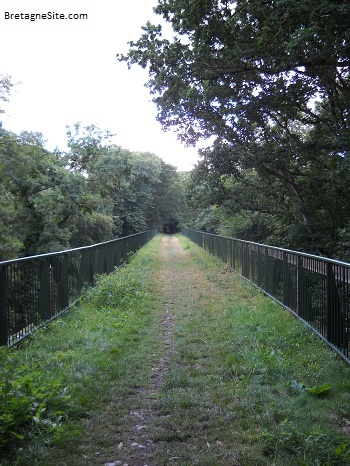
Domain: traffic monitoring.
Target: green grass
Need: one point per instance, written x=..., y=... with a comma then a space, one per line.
x=88, y=353
x=235, y=383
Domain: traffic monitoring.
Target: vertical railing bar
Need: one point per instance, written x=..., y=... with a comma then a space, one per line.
x=4, y=335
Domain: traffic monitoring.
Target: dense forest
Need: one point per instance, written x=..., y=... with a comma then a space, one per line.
x=266, y=83
x=93, y=193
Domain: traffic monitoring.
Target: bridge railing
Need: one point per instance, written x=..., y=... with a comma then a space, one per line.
x=315, y=289
x=37, y=289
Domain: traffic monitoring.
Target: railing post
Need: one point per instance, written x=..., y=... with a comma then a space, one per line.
x=287, y=282
x=84, y=275
x=267, y=270
x=44, y=295
x=232, y=254
x=64, y=283
x=301, y=288
x=335, y=317
x=260, y=268
x=3, y=308
x=244, y=260
x=304, y=294
x=248, y=261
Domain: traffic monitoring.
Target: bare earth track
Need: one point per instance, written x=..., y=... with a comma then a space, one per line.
x=141, y=449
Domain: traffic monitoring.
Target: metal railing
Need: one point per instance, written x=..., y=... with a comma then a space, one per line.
x=37, y=289
x=315, y=289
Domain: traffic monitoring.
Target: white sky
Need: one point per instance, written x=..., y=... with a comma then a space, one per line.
x=68, y=72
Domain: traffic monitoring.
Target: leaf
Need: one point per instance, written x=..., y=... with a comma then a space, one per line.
x=340, y=449
x=18, y=436
x=319, y=390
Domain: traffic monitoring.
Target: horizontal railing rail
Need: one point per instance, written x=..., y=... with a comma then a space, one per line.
x=37, y=289
x=315, y=289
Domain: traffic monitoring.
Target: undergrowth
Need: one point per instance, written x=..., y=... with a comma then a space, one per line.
x=31, y=404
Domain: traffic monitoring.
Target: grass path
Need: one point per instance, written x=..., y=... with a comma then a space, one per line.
x=176, y=360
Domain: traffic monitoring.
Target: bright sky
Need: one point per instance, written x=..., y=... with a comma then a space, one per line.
x=68, y=72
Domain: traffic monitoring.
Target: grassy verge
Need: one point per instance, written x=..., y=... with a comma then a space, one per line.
x=89, y=360
x=244, y=383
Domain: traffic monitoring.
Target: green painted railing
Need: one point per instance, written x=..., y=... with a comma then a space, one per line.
x=315, y=289
x=37, y=289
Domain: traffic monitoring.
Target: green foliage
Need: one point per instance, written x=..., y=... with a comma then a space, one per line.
x=315, y=391
x=141, y=188
x=207, y=220
x=169, y=202
x=124, y=292
x=10, y=242
x=5, y=89
x=319, y=389
x=269, y=81
x=96, y=192
x=231, y=68
x=309, y=445
x=86, y=145
x=42, y=203
x=30, y=404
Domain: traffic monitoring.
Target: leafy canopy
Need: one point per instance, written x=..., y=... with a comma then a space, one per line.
x=269, y=81
x=233, y=68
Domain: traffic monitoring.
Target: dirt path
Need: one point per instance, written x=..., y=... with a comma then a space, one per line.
x=141, y=449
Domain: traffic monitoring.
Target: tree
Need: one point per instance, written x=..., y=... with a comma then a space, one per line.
x=43, y=206
x=270, y=80
x=86, y=144
x=232, y=64
x=96, y=192
x=10, y=240
x=306, y=209
x=128, y=180
x=168, y=197
x=5, y=90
